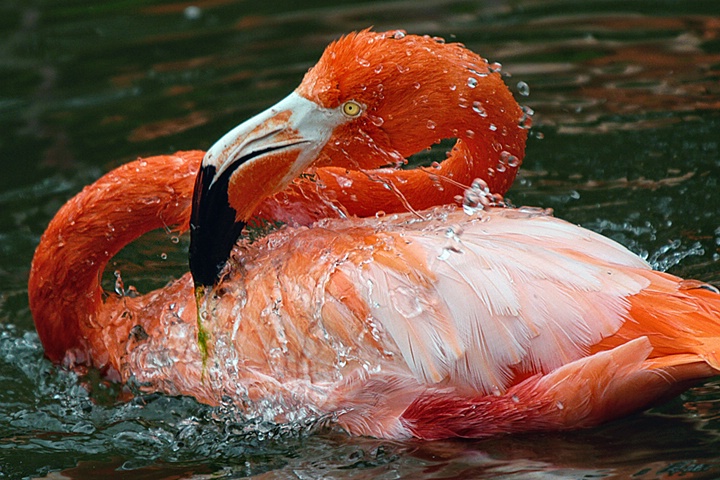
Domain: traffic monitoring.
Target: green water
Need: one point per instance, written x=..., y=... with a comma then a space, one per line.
x=626, y=142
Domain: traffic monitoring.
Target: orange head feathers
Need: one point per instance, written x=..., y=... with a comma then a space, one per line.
x=372, y=100
x=414, y=92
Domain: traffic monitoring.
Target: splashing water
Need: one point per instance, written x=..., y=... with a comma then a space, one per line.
x=478, y=197
x=672, y=254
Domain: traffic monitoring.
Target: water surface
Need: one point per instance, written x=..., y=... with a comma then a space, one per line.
x=625, y=142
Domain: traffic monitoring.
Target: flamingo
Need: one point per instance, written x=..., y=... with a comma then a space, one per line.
x=435, y=321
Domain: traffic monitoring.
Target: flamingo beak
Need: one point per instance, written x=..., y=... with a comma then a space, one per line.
x=251, y=162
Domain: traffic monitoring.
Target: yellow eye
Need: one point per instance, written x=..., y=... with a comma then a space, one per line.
x=351, y=108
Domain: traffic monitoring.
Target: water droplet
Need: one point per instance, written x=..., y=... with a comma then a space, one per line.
x=500, y=167
x=536, y=211
x=478, y=108
x=477, y=196
x=431, y=125
x=402, y=68
x=515, y=399
x=560, y=405
x=379, y=214
x=163, y=256
x=377, y=121
x=526, y=117
x=523, y=88
x=378, y=69
x=363, y=62
x=495, y=67
x=470, y=133
x=119, y=286
x=453, y=87
x=492, y=127
x=472, y=82
x=435, y=165
x=406, y=302
x=175, y=239
x=398, y=34
x=453, y=232
x=539, y=135
x=344, y=182
x=509, y=159
x=439, y=39
x=474, y=69
x=495, y=390
x=192, y=12
x=416, y=85
x=463, y=102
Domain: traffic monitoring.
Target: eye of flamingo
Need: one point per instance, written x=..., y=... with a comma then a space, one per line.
x=352, y=109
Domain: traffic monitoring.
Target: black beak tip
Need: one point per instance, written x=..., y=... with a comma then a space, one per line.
x=213, y=227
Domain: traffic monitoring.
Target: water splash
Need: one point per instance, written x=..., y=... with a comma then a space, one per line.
x=672, y=254
x=478, y=197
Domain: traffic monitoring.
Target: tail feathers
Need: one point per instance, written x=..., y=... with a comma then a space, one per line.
x=679, y=317
x=583, y=393
x=64, y=285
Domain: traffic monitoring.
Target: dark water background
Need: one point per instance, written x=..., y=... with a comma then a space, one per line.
x=626, y=142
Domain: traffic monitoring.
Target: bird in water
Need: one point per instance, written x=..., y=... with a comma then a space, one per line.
x=433, y=320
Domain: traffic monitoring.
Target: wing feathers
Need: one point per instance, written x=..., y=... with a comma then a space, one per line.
x=503, y=296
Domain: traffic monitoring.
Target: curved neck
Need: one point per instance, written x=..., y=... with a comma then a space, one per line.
x=64, y=286
x=491, y=129
x=479, y=110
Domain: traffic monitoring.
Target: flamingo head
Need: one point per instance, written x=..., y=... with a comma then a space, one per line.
x=372, y=100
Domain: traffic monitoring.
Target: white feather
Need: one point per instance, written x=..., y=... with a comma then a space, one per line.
x=512, y=291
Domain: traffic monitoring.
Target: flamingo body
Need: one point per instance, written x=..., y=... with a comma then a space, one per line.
x=455, y=325
x=436, y=323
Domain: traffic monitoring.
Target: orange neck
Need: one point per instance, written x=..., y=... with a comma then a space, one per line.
x=64, y=286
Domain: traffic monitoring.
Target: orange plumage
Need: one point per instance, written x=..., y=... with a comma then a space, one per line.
x=436, y=323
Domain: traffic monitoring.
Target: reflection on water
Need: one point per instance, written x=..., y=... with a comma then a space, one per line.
x=625, y=142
